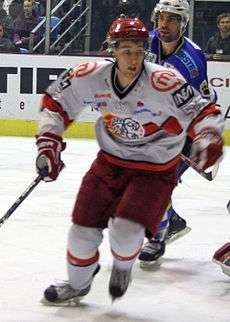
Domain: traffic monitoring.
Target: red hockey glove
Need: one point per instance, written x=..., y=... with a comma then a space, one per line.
x=48, y=162
x=206, y=149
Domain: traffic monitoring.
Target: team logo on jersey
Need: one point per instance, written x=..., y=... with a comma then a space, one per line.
x=164, y=80
x=84, y=69
x=123, y=128
x=204, y=89
x=183, y=95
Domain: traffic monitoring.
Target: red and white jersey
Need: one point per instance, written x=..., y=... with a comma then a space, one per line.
x=144, y=126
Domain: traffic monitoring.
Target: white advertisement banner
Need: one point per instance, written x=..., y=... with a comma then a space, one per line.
x=23, y=79
x=219, y=78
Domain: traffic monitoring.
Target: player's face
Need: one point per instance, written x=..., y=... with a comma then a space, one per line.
x=168, y=25
x=224, y=24
x=129, y=56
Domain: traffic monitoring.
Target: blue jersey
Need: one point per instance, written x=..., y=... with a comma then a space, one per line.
x=188, y=59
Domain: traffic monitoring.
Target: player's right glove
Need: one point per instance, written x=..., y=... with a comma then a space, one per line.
x=207, y=148
x=48, y=161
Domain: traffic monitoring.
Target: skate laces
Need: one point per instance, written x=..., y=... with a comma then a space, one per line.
x=64, y=290
x=152, y=245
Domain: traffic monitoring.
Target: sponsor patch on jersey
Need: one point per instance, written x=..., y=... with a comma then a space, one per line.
x=164, y=80
x=65, y=80
x=151, y=57
x=102, y=104
x=140, y=104
x=103, y=95
x=204, y=89
x=189, y=63
x=183, y=95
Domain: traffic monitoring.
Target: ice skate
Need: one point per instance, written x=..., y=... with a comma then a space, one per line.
x=62, y=294
x=177, y=228
x=119, y=282
x=222, y=258
x=151, y=253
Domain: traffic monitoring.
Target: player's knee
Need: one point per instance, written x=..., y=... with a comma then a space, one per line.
x=83, y=242
x=126, y=236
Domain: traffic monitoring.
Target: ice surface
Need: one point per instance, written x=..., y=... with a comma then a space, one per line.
x=187, y=287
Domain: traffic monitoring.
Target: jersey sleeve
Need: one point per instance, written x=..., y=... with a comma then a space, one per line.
x=198, y=112
x=64, y=99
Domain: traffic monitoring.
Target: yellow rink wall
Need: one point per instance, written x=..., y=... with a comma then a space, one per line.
x=29, y=129
x=76, y=130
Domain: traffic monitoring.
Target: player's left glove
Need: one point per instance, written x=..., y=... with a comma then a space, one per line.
x=48, y=162
x=207, y=148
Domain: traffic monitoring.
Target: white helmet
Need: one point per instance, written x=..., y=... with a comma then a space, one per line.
x=178, y=7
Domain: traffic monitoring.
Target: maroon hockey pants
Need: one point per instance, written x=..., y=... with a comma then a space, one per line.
x=108, y=191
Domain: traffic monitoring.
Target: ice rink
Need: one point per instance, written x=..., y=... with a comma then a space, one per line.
x=188, y=287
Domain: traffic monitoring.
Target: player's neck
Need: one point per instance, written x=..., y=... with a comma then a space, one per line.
x=123, y=80
x=169, y=47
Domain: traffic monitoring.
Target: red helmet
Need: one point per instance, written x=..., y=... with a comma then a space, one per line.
x=127, y=28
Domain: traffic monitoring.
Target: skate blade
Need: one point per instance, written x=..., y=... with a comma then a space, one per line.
x=225, y=268
x=180, y=234
x=67, y=303
x=228, y=207
x=152, y=265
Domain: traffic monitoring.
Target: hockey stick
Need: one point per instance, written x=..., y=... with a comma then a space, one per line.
x=20, y=199
x=210, y=175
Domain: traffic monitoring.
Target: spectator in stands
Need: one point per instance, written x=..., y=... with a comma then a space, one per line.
x=219, y=44
x=6, y=20
x=200, y=29
x=24, y=24
x=15, y=8
x=6, y=45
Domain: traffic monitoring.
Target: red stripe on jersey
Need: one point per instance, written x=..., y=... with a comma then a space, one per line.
x=151, y=128
x=210, y=109
x=82, y=262
x=172, y=126
x=141, y=165
x=125, y=258
x=52, y=105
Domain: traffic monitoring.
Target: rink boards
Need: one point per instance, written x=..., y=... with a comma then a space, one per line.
x=23, y=79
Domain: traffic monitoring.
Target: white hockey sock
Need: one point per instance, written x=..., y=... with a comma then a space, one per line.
x=126, y=238
x=79, y=276
x=83, y=243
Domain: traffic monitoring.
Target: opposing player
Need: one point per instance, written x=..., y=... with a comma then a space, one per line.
x=171, y=49
x=141, y=133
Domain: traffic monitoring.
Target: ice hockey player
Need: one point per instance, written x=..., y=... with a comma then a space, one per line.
x=141, y=132
x=222, y=258
x=170, y=48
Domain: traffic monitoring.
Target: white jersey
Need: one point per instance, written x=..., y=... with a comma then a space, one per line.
x=143, y=126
